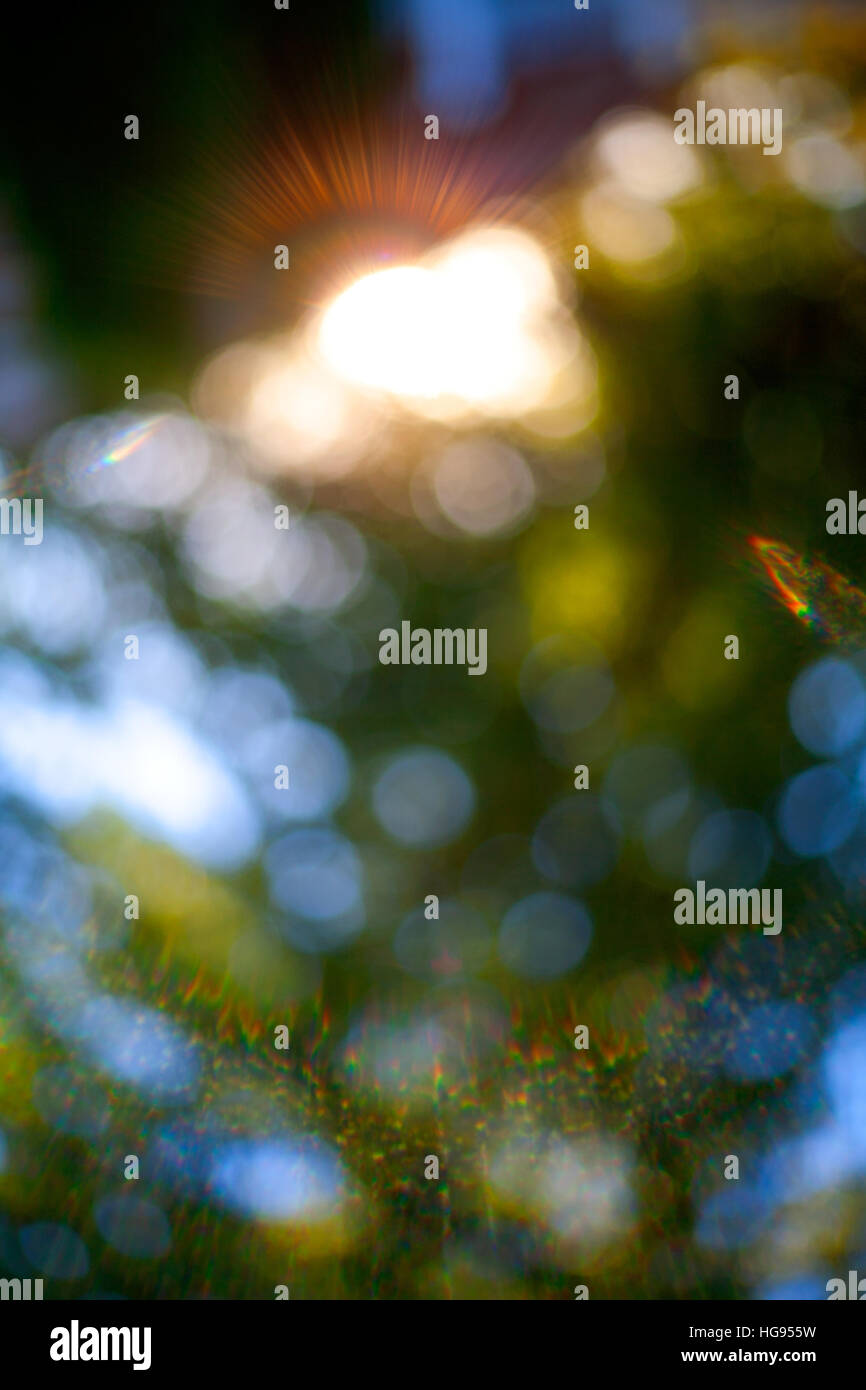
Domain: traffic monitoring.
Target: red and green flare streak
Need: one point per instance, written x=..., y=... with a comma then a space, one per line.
x=832, y=608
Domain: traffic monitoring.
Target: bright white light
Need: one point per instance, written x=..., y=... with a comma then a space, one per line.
x=67, y=758
x=737, y=84
x=636, y=149
x=826, y=171
x=482, y=486
x=501, y=266
x=386, y=331
x=630, y=230
x=129, y=464
x=475, y=329
x=235, y=552
x=167, y=779
x=54, y=592
x=473, y=326
x=300, y=413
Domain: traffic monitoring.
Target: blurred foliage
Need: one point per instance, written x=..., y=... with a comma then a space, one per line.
x=558, y=1166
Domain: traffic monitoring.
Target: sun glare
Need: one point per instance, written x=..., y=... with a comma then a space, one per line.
x=469, y=327
x=476, y=330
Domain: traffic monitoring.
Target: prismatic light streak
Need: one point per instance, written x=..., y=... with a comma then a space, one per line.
x=820, y=597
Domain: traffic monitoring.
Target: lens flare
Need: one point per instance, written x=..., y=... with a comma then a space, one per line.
x=61, y=476
x=819, y=596
x=128, y=442
x=473, y=327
